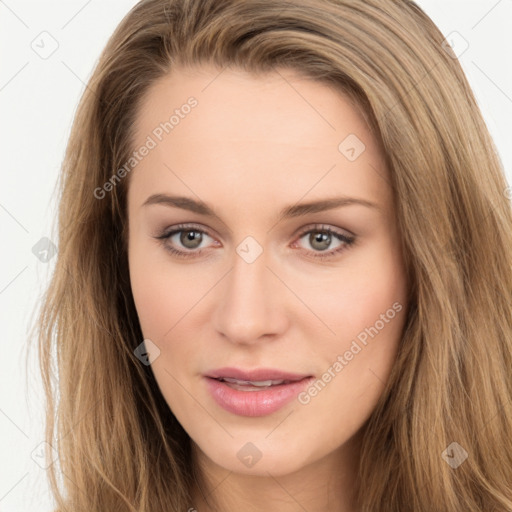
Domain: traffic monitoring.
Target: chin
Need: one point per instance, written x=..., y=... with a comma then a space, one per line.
x=257, y=456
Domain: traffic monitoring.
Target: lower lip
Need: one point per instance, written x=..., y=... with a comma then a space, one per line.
x=255, y=403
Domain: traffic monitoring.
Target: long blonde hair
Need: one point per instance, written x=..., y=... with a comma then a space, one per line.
x=120, y=447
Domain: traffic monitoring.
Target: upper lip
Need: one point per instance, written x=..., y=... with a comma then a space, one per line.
x=258, y=374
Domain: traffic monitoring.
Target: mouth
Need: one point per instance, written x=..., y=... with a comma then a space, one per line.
x=254, y=393
x=254, y=385
x=255, y=376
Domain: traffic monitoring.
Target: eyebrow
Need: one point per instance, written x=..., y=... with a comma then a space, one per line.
x=296, y=210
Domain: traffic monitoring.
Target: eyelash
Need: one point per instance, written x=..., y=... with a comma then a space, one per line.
x=348, y=241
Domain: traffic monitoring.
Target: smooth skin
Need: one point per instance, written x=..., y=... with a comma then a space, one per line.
x=253, y=145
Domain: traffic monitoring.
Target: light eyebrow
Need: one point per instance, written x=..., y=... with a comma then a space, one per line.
x=185, y=203
x=296, y=210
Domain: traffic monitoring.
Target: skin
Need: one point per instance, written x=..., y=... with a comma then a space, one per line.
x=253, y=145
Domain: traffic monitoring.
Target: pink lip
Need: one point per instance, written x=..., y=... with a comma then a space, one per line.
x=255, y=403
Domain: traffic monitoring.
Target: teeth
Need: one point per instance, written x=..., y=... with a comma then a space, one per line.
x=257, y=383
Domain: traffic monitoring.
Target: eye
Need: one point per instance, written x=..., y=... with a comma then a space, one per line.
x=320, y=238
x=189, y=238
x=186, y=236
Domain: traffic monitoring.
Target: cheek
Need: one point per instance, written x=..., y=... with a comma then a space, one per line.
x=163, y=294
x=368, y=321
x=154, y=291
x=370, y=292
x=367, y=318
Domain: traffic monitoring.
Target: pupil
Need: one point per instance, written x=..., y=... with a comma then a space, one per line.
x=190, y=236
x=321, y=237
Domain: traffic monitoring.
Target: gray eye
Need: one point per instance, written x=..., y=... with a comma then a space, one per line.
x=320, y=240
x=191, y=238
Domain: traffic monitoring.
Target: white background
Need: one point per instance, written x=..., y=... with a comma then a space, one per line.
x=38, y=98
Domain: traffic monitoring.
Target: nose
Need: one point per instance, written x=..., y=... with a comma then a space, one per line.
x=250, y=303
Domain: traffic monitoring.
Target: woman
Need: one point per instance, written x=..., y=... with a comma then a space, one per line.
x=284, y=279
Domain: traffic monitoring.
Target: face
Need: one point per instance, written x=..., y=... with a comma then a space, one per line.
x=273, y=325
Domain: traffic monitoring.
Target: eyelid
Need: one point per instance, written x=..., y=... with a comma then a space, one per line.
x=318, y=226
x=166, y=233
x=300, y=233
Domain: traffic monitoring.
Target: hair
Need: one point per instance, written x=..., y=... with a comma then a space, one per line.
x=120, y=447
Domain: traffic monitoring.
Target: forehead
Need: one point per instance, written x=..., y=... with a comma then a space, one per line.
x=259, y=133
x=259, y=103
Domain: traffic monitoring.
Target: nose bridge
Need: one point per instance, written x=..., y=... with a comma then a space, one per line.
x=248, y=306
